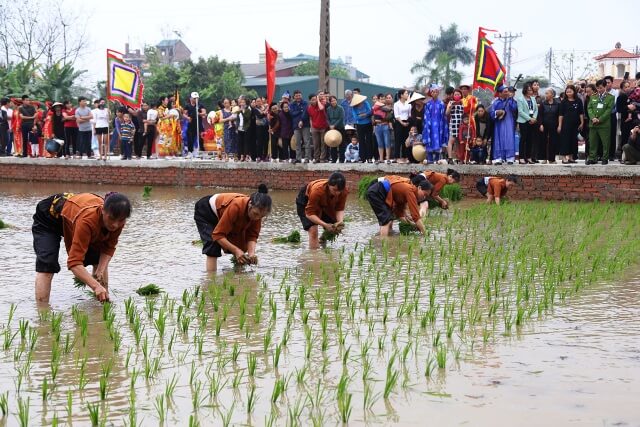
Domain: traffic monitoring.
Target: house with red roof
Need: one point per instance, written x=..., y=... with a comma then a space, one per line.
x=616, y=63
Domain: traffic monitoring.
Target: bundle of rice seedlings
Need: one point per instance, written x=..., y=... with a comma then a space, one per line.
x=150, y=289
x=363, y=185
x=293, y=237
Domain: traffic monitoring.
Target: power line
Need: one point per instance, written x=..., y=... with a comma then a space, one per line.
x=508, y=38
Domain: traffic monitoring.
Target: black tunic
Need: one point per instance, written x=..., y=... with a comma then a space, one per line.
x=570, y=112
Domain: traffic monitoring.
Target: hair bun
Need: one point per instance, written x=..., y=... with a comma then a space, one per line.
x=109, y=194
x=262, y=188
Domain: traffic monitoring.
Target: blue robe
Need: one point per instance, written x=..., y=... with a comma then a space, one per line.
x=504, y=141
x=435, y=132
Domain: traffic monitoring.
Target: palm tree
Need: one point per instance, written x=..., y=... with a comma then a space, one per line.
x=442, y=72
x=56, y=81
x=450, y=43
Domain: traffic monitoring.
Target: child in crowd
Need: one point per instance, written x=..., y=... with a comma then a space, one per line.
x=34, y=140
x=478, y=151
x=127, y=131
x=352, y=153
x=414, y=138
x=465, y=138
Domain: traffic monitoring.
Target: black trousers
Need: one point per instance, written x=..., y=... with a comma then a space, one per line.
x=243, y=147
x=549, y=143
x=70, y=141
x=84, y=143
x=614, y=137
x=191, y=138
x=400, y=133
x=262, y=139
x=365, y=137
x=138, y=143
x=25, y=129
x=285, y=150
x=4, y=137
x=149, y=138
x=526, y=140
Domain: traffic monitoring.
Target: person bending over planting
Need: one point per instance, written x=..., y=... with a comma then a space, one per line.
x=494, y=188
x=321, y=203
x=391, y=196
x=231, y=222
x=438, y=180
x=90, y=226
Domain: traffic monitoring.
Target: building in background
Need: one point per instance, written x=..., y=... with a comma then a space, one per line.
x=616, y=63
x=285, y=67
x=173, y=51
x=309, y=84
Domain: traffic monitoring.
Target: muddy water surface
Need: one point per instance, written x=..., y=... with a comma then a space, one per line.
x=578, y=365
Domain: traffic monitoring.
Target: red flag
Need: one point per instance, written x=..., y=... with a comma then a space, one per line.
x=489, y=71
x=271, y=56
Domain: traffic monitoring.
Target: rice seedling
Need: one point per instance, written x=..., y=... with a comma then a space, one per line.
x=94, y=413
x=170, y=387
x=148, y=290
x=69, y=406
x=196, y=392
x=363, y=185
x=252, y=361
x=226, y=417
x=161, y=322
x=391, y=379
x=23, y=411
x=343, y=399
x=369, y=398
x=276, y=355
x=252, y=398
x=146, y=191
x=3, y=224
x=4, y=403
x=278, y=390
x=8, y=339
x=23, y=326
x=45, y=389
x=441, y=356
x=161, y=408
x=293, y=237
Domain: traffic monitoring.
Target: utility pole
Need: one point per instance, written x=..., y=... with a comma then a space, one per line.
x=508, y=38
x=325, y=47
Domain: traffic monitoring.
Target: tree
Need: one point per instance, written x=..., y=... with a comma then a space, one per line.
x=212, y=78
x=311, y=68
x=56, y=82
x=45, y=31
x=441, y=72
x=444, y=53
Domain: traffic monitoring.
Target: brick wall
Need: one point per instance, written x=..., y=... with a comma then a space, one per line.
x=619, y=183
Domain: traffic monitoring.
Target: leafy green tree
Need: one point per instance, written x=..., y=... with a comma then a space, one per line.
x=311, y=68
x=445, y=52
x=212, y=78
x=19, y=79
x=442, y=71
x=56, y=81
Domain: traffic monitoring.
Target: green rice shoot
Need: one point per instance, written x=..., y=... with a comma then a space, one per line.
x=293, y=237
x=146, y=191
x=363, y=185
x=150, y=289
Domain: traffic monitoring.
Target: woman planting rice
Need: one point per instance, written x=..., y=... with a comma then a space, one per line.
x=391, y=196
x=321, y=203
x=495, y=188
x=90, y=226
x=438, y=180
x=231, y=222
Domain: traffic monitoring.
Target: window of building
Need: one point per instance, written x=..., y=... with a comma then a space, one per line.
x=621, y=70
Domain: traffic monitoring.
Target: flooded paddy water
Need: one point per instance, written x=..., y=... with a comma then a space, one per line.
x=526, y=314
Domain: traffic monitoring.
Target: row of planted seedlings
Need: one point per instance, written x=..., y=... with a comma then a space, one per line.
x=337, y=340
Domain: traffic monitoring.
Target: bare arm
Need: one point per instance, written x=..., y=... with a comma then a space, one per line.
x=83, y=274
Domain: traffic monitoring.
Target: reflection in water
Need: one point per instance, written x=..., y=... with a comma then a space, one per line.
x=579, y=365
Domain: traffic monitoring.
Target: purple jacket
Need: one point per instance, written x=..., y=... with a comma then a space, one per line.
x=286, y=125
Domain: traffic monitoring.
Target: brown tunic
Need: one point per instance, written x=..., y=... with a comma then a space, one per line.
x=497, y=187
x=82, y=227
x=233, y=220
x=403, y=195
x=322, y=201
x=438, y=180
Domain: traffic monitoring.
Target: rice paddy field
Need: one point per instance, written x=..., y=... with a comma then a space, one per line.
x=523, y=314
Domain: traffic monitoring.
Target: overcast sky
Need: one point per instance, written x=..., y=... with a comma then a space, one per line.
x=384, y=37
